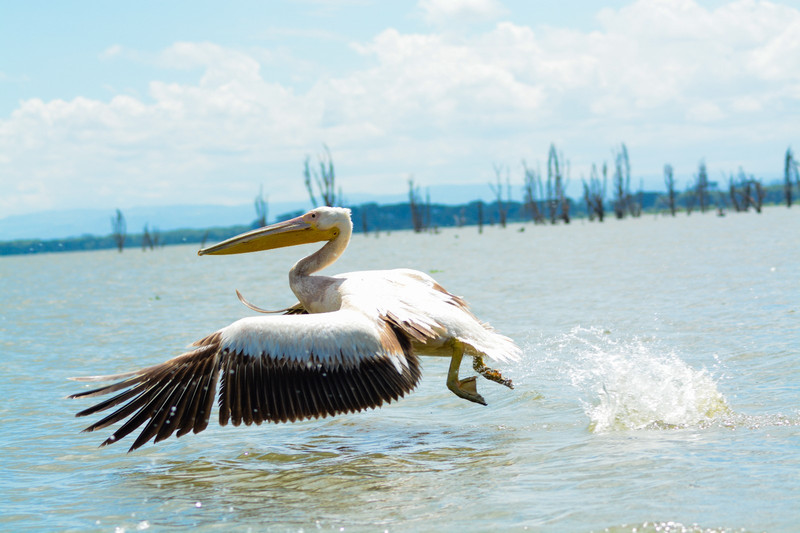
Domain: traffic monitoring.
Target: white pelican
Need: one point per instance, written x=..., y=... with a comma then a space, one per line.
x=350, y=343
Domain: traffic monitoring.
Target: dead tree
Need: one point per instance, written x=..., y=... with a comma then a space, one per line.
x=532, y=188
x=118, y=230
x=737, y=200
x=588, y=200
x=480, y=216
x=553, y=183
x=790, y=169
x=636, y=206
x=262, y=208
x=461, y=218
x=323, y=179
x=595, y=192
x=428, y=211
x=497, y=190
x=558, y=203
x=147, y=241
x=758, y=194
x=701, y=186
x=550, y=198
x=622, y=182
x=669, y=181
x=561, y=189
x=690, y=197
x=746, y=192
x=414, y=201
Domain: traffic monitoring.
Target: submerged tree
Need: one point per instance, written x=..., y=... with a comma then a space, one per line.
x=594, y=193
x=746, y=192
x=790, y=170
x=701, y=186
x=557, y=202
x=415, y=203
x=118, y=229
x=669, y=182
x=262, y=208
x=759, y=194
x=147, y=241
x=532, y=191
x=323, y=179
x=497, y=190
x=622, y=182
x=690, y=198
x=738, y=200
x=151, y=238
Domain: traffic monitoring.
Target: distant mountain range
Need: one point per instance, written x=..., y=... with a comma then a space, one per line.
x=59, y=224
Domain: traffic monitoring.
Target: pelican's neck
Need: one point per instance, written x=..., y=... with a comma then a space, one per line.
x=303, y=284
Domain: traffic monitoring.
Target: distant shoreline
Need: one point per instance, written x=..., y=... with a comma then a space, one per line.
x=370, y=217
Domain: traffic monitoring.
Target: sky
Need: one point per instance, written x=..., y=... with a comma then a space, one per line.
x=150, y=103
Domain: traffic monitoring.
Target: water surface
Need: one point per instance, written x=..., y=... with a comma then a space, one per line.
x=659, y=389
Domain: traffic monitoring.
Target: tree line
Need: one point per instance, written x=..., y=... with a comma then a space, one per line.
x=544, y=201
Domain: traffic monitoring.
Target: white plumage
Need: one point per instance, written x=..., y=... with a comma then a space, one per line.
x=350, y=343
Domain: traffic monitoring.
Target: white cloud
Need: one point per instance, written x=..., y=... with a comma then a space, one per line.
x=659, y=74
x=112, y=52
x=444, y=12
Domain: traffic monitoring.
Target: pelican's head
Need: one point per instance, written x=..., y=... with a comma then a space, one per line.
x=320, y=224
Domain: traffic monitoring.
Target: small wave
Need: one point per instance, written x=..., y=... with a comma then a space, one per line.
x=667, y=527
x=634, y=384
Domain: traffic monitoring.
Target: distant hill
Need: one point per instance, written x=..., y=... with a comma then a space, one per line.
x=81, y=222
x=62, y=224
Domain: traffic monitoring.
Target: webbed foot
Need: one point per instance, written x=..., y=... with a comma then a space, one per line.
x=490, y=373
x=466, y=388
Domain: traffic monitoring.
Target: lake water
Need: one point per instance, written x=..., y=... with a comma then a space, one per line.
x=659, y=389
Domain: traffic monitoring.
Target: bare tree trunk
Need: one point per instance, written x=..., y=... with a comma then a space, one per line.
x=533, y=192
x=789, y=170
x=414, y=203
x=428, y=222
x=118, y=229
x=324, y=179
x=735, y=195
x=622, y=180
x=587, y=198
x=760, y=194
x=262, y=208
x=497, y=190
x=669, y=181
x=595, y=193
x=558, y=203
x=147, y=242
x=701, y=186
x=691, y=198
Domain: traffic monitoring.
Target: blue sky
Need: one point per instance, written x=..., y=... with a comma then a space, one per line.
x=112, y=104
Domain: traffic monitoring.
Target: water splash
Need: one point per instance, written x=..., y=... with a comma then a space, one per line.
x=637, y=384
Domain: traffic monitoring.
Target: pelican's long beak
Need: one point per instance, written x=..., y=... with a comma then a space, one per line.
x=287, y=233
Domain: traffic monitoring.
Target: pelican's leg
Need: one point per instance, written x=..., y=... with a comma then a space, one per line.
x=466, y=388
x=490, y=373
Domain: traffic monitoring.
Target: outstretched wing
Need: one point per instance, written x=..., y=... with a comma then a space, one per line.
x=274, y=368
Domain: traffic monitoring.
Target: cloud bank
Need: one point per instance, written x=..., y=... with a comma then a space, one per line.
x=677, y=82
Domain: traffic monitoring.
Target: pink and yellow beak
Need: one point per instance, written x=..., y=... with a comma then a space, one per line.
x=288, y=233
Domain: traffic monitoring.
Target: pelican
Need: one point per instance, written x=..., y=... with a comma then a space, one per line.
x=350, y=343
